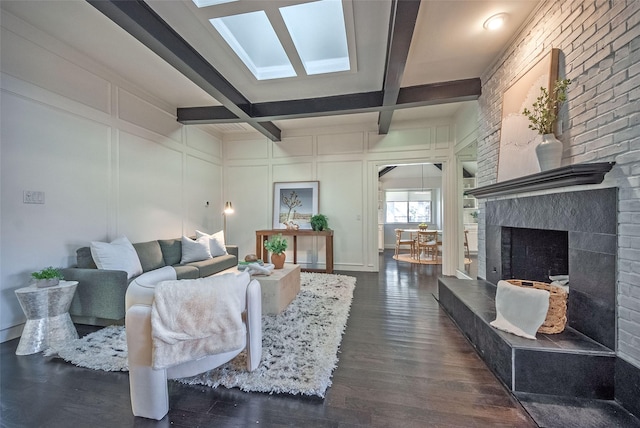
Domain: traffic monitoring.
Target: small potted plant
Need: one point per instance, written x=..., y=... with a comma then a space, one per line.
x=47, y=277
x=543, y=118
x=277, y=245
x=319, y=222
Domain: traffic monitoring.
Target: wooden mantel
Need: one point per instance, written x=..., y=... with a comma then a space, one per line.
x=570, y=175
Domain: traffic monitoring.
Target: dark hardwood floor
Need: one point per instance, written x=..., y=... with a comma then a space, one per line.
x=403, y=363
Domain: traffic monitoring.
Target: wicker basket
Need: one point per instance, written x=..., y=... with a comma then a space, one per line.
x=557, y=314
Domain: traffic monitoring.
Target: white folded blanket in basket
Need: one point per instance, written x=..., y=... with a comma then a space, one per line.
x=519, y=310
x=193, y=318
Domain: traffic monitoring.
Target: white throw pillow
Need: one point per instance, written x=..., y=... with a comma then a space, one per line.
x=117, y=255
x=216, y=243
x=195, y=251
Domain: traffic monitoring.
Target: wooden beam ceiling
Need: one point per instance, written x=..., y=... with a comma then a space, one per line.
x=402, y=23
x=414, y=96
x=139, y=20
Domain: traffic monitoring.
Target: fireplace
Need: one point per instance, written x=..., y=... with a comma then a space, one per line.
x=534, y=254
x=571, y=233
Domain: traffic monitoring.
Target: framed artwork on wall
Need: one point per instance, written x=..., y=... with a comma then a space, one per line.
x=517, y=156
x=294, y=203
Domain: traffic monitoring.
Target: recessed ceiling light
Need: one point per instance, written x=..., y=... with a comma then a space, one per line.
x=496, y=21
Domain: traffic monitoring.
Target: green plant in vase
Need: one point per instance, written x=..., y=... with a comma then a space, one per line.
x=277, y=245
x=319, y=222
x=47, y=277
x=543, y=118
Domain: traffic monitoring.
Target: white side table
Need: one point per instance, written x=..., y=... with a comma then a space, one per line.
x=48, y=321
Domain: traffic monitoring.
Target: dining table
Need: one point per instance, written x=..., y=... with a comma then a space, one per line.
x=413, y=234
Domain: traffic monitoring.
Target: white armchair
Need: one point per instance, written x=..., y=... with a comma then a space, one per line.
x=148, y=386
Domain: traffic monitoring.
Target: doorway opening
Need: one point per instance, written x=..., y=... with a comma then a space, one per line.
x=408, y=195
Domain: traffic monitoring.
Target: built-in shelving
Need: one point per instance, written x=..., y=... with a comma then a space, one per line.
x=570, y=175
x=469, y=202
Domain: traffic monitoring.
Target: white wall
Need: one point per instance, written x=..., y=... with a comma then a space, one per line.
x=600, y=49
x=110, y=159
x=345, y=161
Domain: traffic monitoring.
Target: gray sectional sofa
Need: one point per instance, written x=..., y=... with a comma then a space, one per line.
x=99, y=298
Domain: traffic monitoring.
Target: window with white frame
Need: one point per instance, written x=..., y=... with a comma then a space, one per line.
x=408, y=206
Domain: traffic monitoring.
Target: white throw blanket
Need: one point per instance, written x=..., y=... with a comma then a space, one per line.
x=519, y=310
x=257, y=268
x=191, y=319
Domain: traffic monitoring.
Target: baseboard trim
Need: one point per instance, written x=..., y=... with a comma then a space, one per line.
x=11, y=333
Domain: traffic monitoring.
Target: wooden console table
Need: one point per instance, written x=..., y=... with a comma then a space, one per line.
x=263, y=235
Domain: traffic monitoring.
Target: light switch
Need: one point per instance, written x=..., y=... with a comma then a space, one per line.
x=32, y=197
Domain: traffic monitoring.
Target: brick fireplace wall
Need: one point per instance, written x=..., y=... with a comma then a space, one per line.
x=599, y=42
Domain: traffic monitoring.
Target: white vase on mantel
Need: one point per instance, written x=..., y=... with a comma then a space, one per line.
x=549, y=152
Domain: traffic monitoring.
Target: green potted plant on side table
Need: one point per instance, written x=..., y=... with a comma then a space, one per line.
x=47, y=277
x=543, y=118
x=319, y=222
x=277, y=245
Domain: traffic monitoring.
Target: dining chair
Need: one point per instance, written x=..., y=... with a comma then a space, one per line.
x=466, y=245
x=400, y=242
x=427, y=244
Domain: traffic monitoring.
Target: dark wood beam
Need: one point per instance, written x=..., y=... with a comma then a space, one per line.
x=139, y=20
x=465, y=173
x=310, y=107
x=386, y=170
x=440, y=93
x=208, y=115
x=402, y=23
x=292, y=109
x=414, y=96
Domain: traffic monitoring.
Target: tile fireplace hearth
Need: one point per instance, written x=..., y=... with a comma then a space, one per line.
x=572, y=233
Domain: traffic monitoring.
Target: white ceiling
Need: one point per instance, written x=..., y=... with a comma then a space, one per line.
x=449, y=43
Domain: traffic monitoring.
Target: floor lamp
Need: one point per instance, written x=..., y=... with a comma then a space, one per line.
x=228, y=209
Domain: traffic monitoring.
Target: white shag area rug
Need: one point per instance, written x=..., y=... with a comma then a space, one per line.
x=299, y=346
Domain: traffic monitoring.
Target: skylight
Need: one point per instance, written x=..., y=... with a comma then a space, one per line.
x=254, y=40
x=318, y=32
x=205, y=3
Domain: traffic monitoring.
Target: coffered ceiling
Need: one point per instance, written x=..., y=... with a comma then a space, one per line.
x=413, y=60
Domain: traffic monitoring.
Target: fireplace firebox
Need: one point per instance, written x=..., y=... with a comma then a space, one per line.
x=534, y=254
